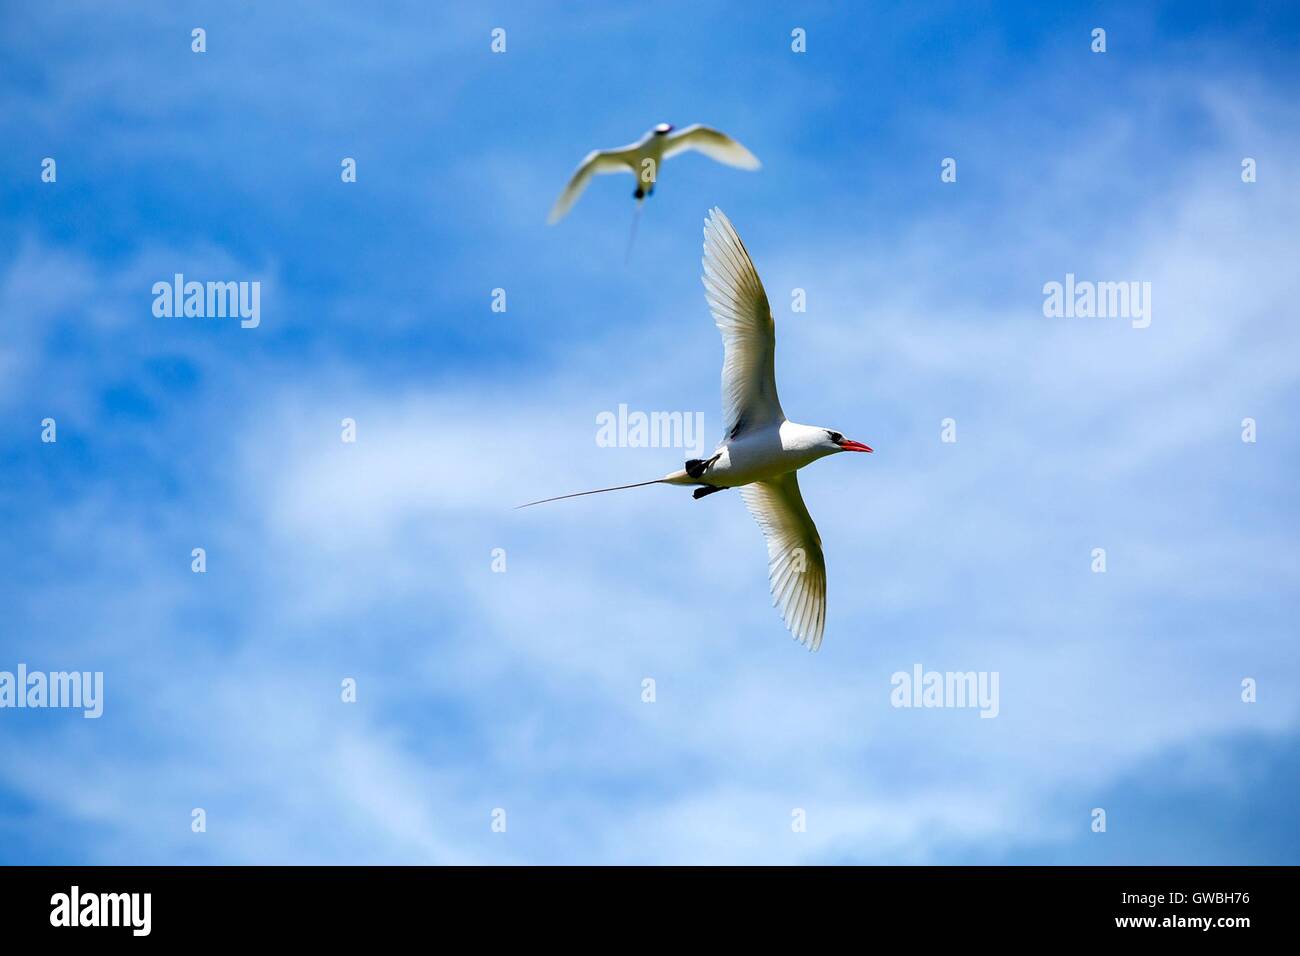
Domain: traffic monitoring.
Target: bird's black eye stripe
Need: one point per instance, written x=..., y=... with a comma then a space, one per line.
x=836, y=437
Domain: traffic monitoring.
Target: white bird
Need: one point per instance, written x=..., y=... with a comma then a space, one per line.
x=644, y=157
x=761, y=449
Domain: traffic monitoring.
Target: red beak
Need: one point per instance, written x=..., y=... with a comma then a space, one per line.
x=853, y=446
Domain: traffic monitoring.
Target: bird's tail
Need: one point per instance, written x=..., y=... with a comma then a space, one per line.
x=631, y=236
x=678, y=477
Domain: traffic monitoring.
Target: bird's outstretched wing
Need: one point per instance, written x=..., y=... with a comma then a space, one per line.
x=796, y=566
x=740, y=310
x=598, y=161
x=711, y=143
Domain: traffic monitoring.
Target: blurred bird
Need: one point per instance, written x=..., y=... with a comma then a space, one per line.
x=761, y=449
x=644, y=157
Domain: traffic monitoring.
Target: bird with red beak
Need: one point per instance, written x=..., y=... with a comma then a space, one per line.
x=761, y=450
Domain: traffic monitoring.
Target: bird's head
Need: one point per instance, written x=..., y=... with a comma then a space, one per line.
x=835, y=442
x=663, y=129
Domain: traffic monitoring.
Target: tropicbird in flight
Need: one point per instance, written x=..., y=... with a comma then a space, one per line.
x=644, y=157
x=761, y=449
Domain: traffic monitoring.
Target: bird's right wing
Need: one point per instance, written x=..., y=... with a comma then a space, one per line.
x=598, y=161
x=796, y=566
x=740, y=310
x=713, y=144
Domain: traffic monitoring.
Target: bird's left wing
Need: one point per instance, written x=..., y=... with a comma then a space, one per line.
x=796, y=566
x=741, y=313
x=713, y=144
x=598, y=161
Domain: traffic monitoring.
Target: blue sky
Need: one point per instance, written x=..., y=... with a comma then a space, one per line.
x=522, y=690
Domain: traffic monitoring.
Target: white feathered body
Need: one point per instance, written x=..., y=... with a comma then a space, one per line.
x=762, y=453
